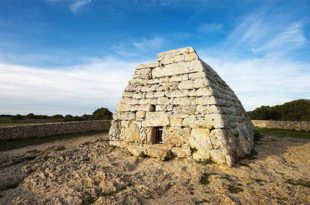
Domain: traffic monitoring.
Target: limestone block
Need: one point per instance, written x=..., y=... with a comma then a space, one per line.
x=215, y=120
x=115, y=129
x=161, y=108
x=197, y=75
x=149, y=95
x=163, y=101
x=167, y=61
x=192, y=92
x=179, y=58
x=204, y=91
x=159, y=152
x=179, y=93
x=188, y=109
x=174, y=53
x=177, y=78
x=200, y=83
x=156, y=119
x=137, y=151
x=147, y=101
x=148, y=65
x=177, y=69
x=145, y=107
x=217, y=137
x=145, y=73
x=190, y=56
x=131, y=133
x=206, y=100
x=140, y=115
x=127, y=115
x=138, y=95
x=123, y=107
x=201, y=155
x=186, y=85
x=176, y=136
x=163, y=86
x=200, y=139
x=169, y=107
x=127, y=94
x=129, y=101
x=175, y=121
x=120, y=144
x=208, y=109
x=159, y=94
x=218, y=156
x=153, y=81
x=148, y=88
x=180, y=152
x=181, y=101
x=134, y=108
x=132, y=88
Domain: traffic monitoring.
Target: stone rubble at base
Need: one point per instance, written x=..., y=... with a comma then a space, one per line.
x=201, y=116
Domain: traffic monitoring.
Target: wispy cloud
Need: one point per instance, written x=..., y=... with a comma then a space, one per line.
x=212, y=27
x=263, y=81
x=150, y=43
x=257, y=58
x=77, y=5
x=76, y=89
x=291, y=38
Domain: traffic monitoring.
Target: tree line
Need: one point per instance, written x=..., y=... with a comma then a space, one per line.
x=297, y=110
x=99, y=114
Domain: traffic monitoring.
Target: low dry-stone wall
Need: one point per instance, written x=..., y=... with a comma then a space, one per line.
x=285, y=125
x=43, y=130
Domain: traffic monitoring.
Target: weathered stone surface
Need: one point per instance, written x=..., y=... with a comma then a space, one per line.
x=159, y=152
x=136, y=150
x=177, y=69
x=155, y=119
x=176, y=136
x=181, y=152
x=183, y=98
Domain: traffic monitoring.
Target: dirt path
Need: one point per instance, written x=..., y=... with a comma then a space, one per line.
x=89, y=171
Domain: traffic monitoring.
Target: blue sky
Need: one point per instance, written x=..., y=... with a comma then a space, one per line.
x=73, y=56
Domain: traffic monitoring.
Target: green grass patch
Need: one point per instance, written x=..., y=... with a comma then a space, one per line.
x=284, y=133
x=300, y=182
x=234, y=189
x=204, y=179
x=19, y=143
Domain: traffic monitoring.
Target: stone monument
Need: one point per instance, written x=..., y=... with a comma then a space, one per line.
x=179, y=106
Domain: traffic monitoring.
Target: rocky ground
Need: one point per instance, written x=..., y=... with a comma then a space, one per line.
x=88, y=171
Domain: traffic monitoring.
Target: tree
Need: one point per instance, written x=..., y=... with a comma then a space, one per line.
x=102, y=114
x=297, y=110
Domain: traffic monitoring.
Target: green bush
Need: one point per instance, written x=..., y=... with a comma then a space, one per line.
x=297, y=110
x=102, y=114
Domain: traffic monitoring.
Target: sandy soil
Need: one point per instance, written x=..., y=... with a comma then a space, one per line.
x=88, y=171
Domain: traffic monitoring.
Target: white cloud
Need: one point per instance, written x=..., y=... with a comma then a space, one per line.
x=264, y=81
x=77, y=5
x=75, y=90
x=151, y=43
x=291, y=38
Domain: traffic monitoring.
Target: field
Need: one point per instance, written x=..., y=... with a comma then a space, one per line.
x=86, y=170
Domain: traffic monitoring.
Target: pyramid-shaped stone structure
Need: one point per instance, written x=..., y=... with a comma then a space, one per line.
x=180, y=106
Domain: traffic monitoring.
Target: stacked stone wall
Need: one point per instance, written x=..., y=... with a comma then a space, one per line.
x=195, y=107
x=285, y=125
x=43, y=130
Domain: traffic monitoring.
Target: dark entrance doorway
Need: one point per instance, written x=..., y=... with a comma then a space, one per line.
x=157, y=135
